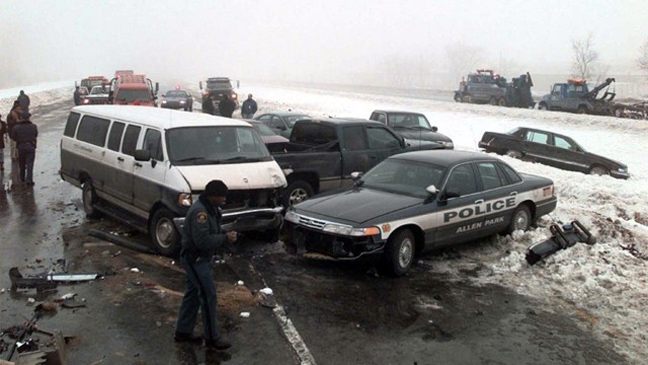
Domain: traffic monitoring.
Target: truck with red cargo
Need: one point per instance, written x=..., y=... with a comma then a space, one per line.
x=133, y=89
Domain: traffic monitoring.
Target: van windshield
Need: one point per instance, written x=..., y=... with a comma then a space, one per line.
x=215, y=145
x=130, y=96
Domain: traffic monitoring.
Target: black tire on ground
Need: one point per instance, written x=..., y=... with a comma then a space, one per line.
x=399, y=253
x=501, y=102
x=543, y=106
x=521, y=219
x=89, y=198
x=492, y=101
x=457, y=97
x=163, y=234
x=514, y=154
x=296, y=192
x=599, y=170
x=618, y=112
x=582, y=110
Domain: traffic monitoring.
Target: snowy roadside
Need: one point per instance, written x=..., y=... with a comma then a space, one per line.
x=40, y=94
x=604, y=286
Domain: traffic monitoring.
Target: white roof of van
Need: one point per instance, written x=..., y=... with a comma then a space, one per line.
x=156, y=117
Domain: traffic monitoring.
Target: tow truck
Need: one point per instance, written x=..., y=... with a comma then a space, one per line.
x=485, y=86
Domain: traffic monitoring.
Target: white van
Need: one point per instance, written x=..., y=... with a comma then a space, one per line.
x=146, y=166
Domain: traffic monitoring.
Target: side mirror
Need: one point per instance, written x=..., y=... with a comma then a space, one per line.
x=142, y=155
x=432, y=190
x=356, y=176
x=434, y=128
x=200, y=85
x=238, y=83
x=157, y=87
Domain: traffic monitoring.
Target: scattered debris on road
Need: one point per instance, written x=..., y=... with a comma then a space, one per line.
x=562, y=238
x=245, y=314
x=44, y=281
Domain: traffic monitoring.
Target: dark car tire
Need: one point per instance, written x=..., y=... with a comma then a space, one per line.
x=514, y=154
x=399, y=253
x=543, y=106
x=89, y=199
x=457, y=97
x=296, y=192
x=582, y=110
x=492, y=100
x=520, y=220
x=163, y=234
x=501, y=102
x=599, y=170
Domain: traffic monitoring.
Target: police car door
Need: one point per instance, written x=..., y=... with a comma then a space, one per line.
x=458, y=221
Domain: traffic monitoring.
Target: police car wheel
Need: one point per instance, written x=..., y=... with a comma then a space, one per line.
x=399, y=253
x=521, y=220
x=89, y=198
x=164, y=236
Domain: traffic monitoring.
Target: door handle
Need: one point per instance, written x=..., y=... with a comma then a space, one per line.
x=138, y=164
x=120, y=159
x=513, y=193
x=479, y=201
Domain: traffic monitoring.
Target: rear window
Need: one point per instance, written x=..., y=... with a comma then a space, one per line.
x=71, y=126
x=93, y=130
x=511, y=175
x=313, y=133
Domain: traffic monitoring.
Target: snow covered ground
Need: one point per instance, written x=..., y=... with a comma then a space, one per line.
x=44, y=93
x=605, y=285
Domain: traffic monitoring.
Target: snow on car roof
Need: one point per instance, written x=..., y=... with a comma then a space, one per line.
x=444, y=157
x=156, y=117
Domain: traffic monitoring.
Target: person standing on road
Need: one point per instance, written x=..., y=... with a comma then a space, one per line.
x=248, y=108
x=12, y=119
x=77, y=96
x=226, y=107
x=208, y=105
x=202, y=234
x=23, y=99
x=25, y=134
x=3, y=132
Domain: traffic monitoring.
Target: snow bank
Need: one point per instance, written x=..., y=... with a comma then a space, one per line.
x=44, y=93
x=604, y=285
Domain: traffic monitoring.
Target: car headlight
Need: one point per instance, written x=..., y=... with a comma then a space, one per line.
x=185, y=200
x=182, y=101
x=623, y=169
x=164, y=101
x=350, y=231
x=86, y=101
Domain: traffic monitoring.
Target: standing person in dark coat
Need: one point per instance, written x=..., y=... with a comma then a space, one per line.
x=226, y=107
x=12, y=119
x=248, y=108
x=23, y=99
x=77, y=96
x=25, y=134
x=202, y=234
x=208, y=105
x=3, y=132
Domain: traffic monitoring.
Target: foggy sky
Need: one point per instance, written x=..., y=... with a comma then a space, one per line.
x=304, y=40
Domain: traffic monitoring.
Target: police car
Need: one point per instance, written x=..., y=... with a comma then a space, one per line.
x=415, y=202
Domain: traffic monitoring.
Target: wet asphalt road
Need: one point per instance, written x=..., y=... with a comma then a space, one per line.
x=344, y=313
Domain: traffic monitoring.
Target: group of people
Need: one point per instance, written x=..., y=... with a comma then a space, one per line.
x=227, y=106
x=21, y=135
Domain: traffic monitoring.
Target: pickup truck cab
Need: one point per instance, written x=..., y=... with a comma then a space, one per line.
x=567, y=97
x=322, y=154
x=413, y=126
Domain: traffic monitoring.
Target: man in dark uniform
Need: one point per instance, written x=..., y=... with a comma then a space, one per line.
x=77, y=96
x=201, y=236
x=227, y=106
x=208, y=105
x=23, y=99
x=25, y=134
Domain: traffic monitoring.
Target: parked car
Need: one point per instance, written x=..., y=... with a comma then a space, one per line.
x=411, y=125
x=416, y=202
x=146, y=166
x=272, y=140
x=551, y=149
x=177, y=99
x=322, y=153
x=281, y=122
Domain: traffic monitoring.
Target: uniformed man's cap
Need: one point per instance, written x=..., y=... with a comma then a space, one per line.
x=216, y=188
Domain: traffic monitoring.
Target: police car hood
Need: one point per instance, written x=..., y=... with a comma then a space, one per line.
x=356, y=205
x=240, y=176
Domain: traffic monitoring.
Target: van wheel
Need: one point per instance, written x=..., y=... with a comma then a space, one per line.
x=164, y=235
x=582, y=110
x=521, y=219
x=399, y=253
x=89, y=198
x=297, y=192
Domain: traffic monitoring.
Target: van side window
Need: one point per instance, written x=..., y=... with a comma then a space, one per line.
x=93, y=130
x=153, y=143
x=115, y=136
x=130, y=140
x=71, y=126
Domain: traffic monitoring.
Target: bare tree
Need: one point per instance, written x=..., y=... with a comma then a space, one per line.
x=462, y=59
x=585, y=57
x=642, y=60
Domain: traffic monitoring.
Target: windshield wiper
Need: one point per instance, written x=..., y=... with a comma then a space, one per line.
x=201, y=160
x=241, y=159
x=419, y=127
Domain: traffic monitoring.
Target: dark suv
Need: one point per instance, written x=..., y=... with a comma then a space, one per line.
x=217, y=88
x=414, y=127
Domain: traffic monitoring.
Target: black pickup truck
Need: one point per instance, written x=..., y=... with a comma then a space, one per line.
x=322, y=154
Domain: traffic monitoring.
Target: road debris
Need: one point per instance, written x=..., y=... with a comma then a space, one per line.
x=245, y=314
x=134, y=269
x=31, y=300
x=266, y=291
x=562, y=238
x=44, y=281
x=240, y=283
x=72, y=303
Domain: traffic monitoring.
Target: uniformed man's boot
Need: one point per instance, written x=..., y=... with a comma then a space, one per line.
x=219, y=344
x=186, y=337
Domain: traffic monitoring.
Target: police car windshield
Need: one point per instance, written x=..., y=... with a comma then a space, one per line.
x=403, y=177
x=212, y=145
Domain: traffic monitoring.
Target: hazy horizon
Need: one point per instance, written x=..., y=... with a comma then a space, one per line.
x=380, y=42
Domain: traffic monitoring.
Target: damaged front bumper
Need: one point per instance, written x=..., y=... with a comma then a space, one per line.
x=259, y=219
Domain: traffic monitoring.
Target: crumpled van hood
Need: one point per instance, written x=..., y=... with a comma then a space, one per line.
x=238, y=176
